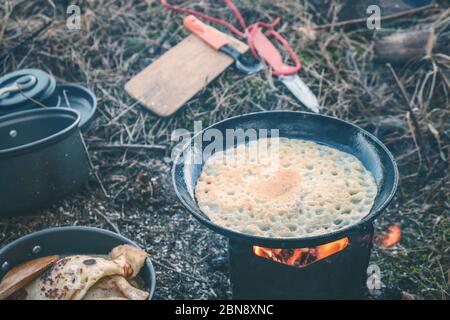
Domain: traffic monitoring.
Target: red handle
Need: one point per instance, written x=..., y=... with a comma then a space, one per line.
x=210, y=35
x=265, y=49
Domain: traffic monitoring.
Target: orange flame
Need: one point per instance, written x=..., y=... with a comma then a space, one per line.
x=303, y=256
x=392, y=237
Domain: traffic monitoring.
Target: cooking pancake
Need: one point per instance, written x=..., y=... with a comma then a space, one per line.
x=284, y=188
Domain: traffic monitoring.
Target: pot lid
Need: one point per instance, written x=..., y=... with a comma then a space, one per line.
x=79, y=98
x=18, y=89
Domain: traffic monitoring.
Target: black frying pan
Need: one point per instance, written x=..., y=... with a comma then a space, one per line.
x=68, y=241
x=308, y=126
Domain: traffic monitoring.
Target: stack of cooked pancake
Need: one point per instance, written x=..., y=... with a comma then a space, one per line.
x=284, y=188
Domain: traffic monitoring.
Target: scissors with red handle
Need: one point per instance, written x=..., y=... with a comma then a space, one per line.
x=263, y=49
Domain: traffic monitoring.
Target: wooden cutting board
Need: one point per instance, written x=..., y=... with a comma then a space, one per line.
x=168, y=83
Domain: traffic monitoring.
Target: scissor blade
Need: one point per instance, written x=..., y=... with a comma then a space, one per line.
x=301, y=91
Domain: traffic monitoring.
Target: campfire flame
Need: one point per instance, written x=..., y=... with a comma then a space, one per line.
x=303, y=256
x=392, y=237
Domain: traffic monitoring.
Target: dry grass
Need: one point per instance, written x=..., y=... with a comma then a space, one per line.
x=119, y=38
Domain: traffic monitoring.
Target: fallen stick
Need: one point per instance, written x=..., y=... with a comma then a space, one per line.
x=92, y=167
x=128, y=146
x=417, y=134
x=401, y=47
x=112, y=224
x=382, y=18
x=176, y=271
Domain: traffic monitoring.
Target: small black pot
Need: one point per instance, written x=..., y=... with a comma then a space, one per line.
x=42, y=159
x=68, y=241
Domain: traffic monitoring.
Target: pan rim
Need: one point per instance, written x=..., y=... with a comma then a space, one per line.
x=148, y=262
x=46, y=140
x=84, y=125
x=289, y=242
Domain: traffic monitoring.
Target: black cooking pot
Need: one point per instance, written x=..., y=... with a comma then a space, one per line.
x=42, y=159
x=322, y=129
x=68, y=241
x=39, y=89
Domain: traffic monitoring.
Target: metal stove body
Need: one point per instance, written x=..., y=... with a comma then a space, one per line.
x=340, y=276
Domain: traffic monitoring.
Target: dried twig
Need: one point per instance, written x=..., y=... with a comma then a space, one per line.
x=29, y=38
x=417, y=134
x=112, y=224
x=128, y=146
x=175, y=270
x=387, y=17
x=93, y=169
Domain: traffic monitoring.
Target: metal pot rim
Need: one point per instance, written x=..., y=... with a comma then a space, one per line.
x=86, y=120
x=289, y=242
x=44, y=141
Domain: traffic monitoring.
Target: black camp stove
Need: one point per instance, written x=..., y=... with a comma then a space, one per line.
x=341, y=275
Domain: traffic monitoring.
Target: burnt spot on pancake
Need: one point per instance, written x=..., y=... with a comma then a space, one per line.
x=89, y=262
